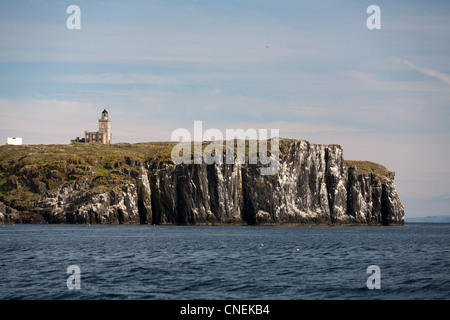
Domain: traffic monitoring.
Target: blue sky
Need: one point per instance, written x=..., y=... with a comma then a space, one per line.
x=311, y=69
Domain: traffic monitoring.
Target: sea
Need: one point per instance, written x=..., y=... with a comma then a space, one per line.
x=147, y=262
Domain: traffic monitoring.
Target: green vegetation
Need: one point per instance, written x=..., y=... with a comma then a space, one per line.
x=26, y=171
x=29, y=171
x=366, y=167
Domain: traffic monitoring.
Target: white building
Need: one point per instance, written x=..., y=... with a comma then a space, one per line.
x=14, y=141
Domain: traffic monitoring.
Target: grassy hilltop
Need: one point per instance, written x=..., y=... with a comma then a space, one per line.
x=34, y=169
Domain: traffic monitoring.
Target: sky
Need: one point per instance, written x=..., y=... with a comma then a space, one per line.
x=311, y=69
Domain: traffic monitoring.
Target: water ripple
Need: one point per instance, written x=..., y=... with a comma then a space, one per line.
x=174, y=262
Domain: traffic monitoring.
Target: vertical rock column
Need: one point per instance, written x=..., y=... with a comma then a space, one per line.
x=392, y=210
x=144, y=197
x=336, y=180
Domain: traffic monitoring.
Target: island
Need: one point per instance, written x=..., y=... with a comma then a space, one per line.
x=123, y=183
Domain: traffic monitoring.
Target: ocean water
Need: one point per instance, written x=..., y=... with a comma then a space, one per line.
x=224, y=262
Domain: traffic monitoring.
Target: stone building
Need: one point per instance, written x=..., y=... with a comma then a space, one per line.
x=103, y=135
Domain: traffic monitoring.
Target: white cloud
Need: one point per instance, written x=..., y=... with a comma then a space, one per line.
x=118, y=78
x=430, y=72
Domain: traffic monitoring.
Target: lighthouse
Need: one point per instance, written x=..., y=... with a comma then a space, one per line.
x=103, y=135
x=104, y=128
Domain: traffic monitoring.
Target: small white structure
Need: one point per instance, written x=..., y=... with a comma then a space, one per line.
x=14, y=141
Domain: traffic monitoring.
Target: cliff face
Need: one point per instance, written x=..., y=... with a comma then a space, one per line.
x=313, y=185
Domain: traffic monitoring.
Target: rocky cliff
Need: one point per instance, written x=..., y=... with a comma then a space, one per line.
x=139, y=184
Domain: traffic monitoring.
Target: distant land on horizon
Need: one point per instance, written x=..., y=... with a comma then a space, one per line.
x=429, y=219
